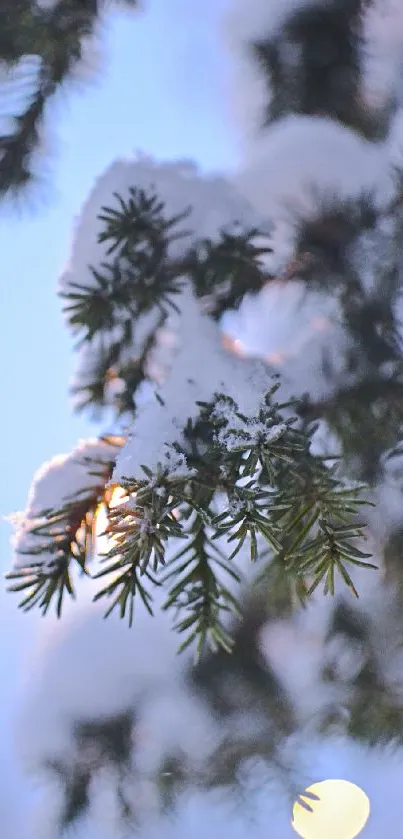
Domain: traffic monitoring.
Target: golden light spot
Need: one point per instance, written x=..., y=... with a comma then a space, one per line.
x=234, y=345
x=341, y=811
x=114, y=496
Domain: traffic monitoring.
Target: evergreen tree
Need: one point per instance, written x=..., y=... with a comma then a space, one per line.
x=233, y=500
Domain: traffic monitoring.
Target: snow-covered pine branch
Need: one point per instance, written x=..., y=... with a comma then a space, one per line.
x=61, y=37
x=116, y=289
x=212, y=428
x=56, y=531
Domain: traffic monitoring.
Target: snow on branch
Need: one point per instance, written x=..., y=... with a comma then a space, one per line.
x=212, y=201
x=141, y=222
x=200, y=368
x=382, y=53
x=303, y=163
x=57, y=526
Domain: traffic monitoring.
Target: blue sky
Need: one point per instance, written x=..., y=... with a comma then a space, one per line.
x=160, y=91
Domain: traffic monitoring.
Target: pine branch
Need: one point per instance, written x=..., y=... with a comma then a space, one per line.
x=108, y=366
x=56, y=36
x=141, y=276
x=139, y=219
x=198, y=593
x=61, y=537
x=222, y=271
x=275, y=495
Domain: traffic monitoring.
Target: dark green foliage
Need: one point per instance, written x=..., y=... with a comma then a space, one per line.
x=277, y=495
x=197, y=591
x=107, y=366
x=141, y=276
x=139, y=219
x=224, y=270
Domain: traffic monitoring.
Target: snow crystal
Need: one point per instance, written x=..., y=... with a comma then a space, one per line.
x=57, y=481
x=236, y=431
x=201, y=368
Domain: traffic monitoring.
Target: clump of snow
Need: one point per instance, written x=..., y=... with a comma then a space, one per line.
x=161, y=355
x=55, y=483
x=346, y=657
x=235, y=430
x=201, y=368
x=47, y=5
x=262, y=18
x=302, y=161
x=174, y=722
x=213, y=201
x=382, y=53
x=92, y=59
x=90, y=668
x=294, y=650
x=325, y=442
x=290, y=327
x=19, y=84
x=244, y=22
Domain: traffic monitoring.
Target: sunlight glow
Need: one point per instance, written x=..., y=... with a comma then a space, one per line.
x=104, y=541
x=341, y=812
x=234, y=345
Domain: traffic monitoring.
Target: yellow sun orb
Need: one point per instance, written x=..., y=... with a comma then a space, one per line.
x=341, y=812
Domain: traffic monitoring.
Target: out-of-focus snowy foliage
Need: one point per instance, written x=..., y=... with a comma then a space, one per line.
x=305, y=695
